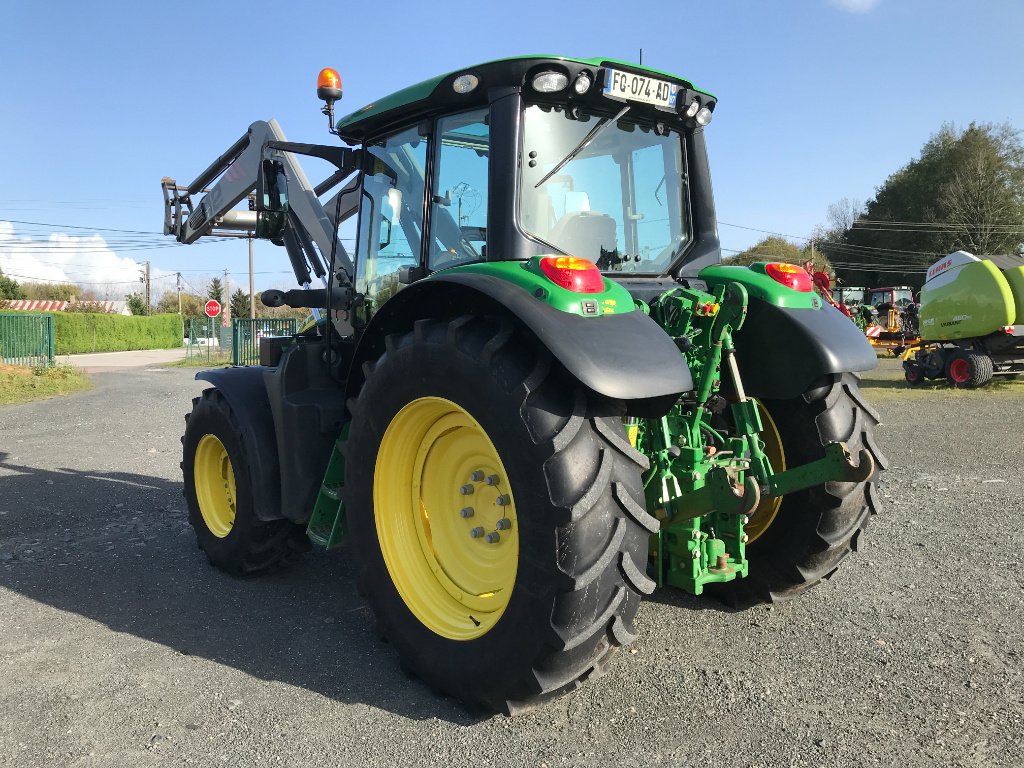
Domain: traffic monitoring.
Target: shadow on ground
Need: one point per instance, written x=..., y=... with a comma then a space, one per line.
x=116, y=548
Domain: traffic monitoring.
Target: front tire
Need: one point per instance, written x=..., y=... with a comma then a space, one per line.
x=219, y=494
x=446, y=407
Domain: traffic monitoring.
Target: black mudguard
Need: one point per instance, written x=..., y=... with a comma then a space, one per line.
x=246, y=394
x=625, y=356
x=782, y=351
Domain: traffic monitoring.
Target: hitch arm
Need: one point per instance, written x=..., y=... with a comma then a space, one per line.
x=835, y=466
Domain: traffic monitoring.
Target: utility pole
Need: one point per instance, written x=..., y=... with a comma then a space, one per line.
x=226, y=310
x=812, y=252
x=148, y=308
x=179, y=292
x=252, y=292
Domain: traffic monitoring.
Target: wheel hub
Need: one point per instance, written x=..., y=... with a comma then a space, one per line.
x=445, y=518
x=215, y=485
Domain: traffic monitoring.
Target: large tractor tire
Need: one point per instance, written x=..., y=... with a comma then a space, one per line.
x=496, y=514
x=802, y=538
x=967, y=369
x=219, y=495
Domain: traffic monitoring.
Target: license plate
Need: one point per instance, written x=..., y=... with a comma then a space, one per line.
x=627, y=86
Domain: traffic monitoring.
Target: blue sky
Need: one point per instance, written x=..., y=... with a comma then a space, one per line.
x=819, y=100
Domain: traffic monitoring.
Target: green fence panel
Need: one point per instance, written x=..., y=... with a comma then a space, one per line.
x=247, y=332
x=26, y=339
x=202, y=341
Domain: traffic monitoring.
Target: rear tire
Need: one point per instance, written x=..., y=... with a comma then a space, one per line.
x=581, y=526
x=815, y=529
x=967, y=369
x=226, y=527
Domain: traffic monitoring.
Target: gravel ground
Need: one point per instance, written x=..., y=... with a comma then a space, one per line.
x=121, y=646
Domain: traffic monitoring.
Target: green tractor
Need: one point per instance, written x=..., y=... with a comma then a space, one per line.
x=520, y=406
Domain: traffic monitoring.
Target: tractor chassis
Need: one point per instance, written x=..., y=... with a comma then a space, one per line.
x=703, y=483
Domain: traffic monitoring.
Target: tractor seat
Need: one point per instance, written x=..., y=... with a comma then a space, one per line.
x=585, y=234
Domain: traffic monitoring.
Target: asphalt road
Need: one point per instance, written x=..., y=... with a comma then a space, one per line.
x=121, y=646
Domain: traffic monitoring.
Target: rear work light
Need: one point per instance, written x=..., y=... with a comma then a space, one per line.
x=790, y=275
x=573, y=273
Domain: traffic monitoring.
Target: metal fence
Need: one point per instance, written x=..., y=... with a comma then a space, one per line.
x=247, y=332
x=202, y=341
x=26, y=339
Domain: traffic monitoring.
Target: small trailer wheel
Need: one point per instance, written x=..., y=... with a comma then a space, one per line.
x=967, y=369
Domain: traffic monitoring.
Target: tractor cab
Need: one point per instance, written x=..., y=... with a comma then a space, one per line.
x=531, y=157
x=898, y=298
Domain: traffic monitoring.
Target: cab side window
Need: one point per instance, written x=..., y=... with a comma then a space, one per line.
x=459, y=204
x=391, y=214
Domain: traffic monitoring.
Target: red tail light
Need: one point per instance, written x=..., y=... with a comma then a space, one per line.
x=789, y=275
x=573, y=273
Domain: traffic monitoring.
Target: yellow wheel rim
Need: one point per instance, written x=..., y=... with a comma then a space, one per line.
x=446, y=520
x=766, y=511
x=214, y=479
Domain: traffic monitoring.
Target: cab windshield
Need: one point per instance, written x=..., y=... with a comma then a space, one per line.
x=620, y=201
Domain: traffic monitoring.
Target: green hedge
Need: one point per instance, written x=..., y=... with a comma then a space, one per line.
x=76, y=332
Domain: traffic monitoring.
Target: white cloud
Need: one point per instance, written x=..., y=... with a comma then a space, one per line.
x=856, y=6
x=88, y=260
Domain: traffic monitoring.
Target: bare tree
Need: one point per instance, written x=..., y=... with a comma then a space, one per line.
x=979, y=204
x=841, y=215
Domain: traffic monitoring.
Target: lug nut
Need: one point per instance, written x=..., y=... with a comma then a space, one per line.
x=492, y=479
x=504, y=524
x=466, y=490
x=477, y=475
x=477, y=532
x=696, y=554
x=503, y=500
x=745, y=538
x=466, y=512
x=493, y=537
x=696, y=535
x=746, y=519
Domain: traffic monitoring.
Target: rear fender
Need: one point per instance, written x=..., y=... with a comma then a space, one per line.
x=781, y=351
x=624, y=356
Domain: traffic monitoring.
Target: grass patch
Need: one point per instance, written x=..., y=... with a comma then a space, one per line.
x=201, y=361
x=20, y=385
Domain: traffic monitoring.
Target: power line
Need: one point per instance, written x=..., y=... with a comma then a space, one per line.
x=77, y=282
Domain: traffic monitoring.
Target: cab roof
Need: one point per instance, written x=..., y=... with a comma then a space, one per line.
x=437, y=94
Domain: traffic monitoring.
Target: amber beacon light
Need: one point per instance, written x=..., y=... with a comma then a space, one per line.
x=328, y=85
x=328, y=90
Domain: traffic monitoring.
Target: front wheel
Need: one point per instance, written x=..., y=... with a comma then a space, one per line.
x=219, y=494
x=496, y=514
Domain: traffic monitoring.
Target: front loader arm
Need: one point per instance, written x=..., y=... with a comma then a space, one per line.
x=263, y=151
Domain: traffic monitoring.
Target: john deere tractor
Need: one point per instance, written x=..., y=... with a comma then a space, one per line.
x=531, y=392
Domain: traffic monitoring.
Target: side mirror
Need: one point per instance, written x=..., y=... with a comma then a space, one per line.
x=271, y=200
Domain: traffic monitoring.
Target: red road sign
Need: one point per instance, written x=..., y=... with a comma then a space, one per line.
x=212, y=308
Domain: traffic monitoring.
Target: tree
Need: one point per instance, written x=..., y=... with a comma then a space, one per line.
x=215, y=290
x=964, y=191
x=9, y=289
x=239, y=303
x=772, y=248
x=51, y=291
x=136, y=303
x=191, y=305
